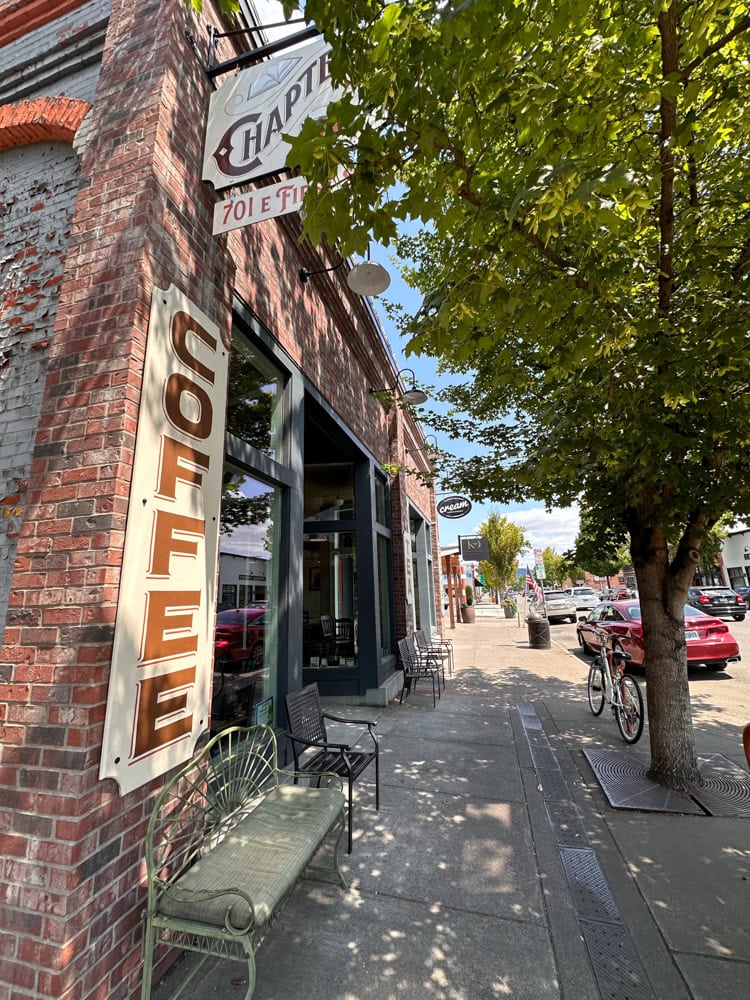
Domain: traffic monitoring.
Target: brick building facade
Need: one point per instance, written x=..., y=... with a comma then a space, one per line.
x=102, y=114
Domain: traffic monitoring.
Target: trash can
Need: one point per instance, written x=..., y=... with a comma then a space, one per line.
x=539, y=636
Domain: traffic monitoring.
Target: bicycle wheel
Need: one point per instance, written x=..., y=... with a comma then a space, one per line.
x=596, y=688
x=629, y=711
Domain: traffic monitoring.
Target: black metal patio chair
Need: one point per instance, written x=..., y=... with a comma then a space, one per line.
x=439, y=647
x=416, y=667
x=314, y=753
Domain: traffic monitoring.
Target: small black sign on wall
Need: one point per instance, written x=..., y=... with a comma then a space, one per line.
x=474, y=548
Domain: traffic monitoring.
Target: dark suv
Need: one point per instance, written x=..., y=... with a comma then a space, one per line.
x=718, y=601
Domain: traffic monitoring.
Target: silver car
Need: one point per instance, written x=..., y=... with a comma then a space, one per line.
x=557, y=606
x=586, y=598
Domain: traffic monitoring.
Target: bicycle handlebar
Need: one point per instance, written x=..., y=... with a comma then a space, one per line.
x=606, y=638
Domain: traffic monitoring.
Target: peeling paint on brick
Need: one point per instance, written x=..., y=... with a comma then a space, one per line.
x=38, y=175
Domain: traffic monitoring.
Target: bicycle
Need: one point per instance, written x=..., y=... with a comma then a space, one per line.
x=609, y=682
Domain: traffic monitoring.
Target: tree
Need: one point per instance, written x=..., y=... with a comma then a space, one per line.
x=581, y=172
x=505, y=541
x=555, y=567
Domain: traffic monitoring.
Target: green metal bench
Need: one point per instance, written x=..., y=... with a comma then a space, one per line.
x=228, y=840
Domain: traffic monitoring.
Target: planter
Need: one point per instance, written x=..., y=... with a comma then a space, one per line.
x=468, y=614
x=510, y=612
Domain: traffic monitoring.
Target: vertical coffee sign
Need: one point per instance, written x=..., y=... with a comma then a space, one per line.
x=160, y=681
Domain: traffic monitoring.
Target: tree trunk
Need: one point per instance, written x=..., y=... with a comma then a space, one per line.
x=662, y=593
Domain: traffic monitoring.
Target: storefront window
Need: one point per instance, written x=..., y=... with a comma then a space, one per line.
x=382, y=513
x=245, y=638
x=384, y=596
x=415, y=573
x=330, y=616
x=254, y=400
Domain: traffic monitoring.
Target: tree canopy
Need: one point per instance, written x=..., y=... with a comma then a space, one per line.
x=580, y=175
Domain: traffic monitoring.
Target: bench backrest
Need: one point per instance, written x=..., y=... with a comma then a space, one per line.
x=206, y=798
x=305, y=714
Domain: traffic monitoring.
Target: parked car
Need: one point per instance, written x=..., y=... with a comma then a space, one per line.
x=744, y=593
x=239, y=639
x=708, y=640
x=557, y=606
x=720, y=601
x=585, y=597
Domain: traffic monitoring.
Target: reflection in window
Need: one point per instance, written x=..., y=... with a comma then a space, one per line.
x=254, y=400
x=329, y=491
x=329, y=592
x=245, y=637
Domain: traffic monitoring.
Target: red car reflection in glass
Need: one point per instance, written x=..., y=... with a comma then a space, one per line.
x=708, y=640
x=239, y=639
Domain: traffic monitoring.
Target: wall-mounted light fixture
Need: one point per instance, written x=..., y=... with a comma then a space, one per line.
x=367, y=278
x=427, y=446
x=412, y=396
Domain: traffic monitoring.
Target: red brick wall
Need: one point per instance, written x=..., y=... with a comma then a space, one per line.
x=71, y=848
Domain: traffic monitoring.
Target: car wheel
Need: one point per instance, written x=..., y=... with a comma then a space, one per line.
x=738, y=618
x=617, y=648
x=719, y=665
x=256, y=656
x=584, y=645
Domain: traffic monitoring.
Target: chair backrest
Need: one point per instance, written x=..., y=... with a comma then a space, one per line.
x=327, y=627
x=407, y=653
x=305, y=714
x=422, y=639
x=345, y=629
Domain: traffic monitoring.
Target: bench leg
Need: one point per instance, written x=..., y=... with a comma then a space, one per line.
x=248, y=949
x=149, y=936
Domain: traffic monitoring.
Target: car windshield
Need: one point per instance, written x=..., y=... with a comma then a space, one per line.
x=688, y=610
x=717, y=591
x=555, y=595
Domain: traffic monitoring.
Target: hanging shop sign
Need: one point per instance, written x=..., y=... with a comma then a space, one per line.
x=160, y=681
x=454, y=507
x=250, y=112
x=474, y=547
x=256, y=206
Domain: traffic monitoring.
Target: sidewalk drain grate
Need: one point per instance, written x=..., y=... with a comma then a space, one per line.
x=537, y=739
x=567, y=824
x=591, y=894
x=618, y=969
x=553, y=784
x=544, y=757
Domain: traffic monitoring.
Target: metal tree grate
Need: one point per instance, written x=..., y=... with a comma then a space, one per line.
x=622, y=776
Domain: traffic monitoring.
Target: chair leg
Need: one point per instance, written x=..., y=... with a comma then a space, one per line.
x=349, y=850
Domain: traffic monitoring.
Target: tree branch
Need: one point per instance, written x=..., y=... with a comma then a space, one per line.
x=738, y=29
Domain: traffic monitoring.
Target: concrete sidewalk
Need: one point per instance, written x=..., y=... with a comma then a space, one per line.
x=496, y=868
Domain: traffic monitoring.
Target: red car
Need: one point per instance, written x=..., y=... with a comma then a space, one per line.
x=709, y=641
x=239, y=639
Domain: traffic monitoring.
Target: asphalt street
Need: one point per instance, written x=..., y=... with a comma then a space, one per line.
x=724, y=695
